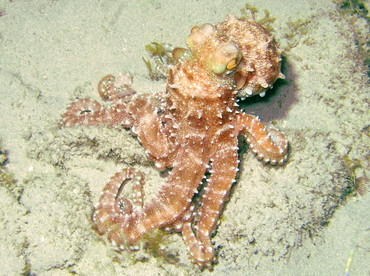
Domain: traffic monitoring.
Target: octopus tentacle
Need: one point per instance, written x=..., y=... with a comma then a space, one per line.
x=115, y=215
x=81, y=112
x=148, y=128
x=125, y=225
x=223, y=172
x=175, y=196
x=106, y=87
x=113, y=88
x=177, y=225
x=198, y=253
x=269, y=145
x=88, y=112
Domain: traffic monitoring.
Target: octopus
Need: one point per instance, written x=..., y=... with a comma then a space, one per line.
x=191, y=130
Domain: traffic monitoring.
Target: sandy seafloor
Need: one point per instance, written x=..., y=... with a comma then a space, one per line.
x=291, y=220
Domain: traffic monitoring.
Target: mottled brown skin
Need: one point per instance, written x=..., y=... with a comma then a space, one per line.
x=193, y=129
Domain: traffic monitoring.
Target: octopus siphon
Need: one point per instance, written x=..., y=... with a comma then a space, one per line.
x=192, y=131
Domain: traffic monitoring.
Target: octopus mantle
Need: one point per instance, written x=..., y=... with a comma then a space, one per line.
x=192, y=130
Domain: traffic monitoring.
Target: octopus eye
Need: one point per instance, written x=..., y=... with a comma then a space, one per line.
x=232, y=64
x=218, y=68
x=224, y=60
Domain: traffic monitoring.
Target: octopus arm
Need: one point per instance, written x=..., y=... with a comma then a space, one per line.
x=269, y=145
x=89, y=112
x=117, y=216
x=223, y=172
x=150, y=131
x=175, y=197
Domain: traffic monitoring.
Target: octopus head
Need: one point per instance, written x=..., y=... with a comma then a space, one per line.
x=213, y=50
x=261, y=58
